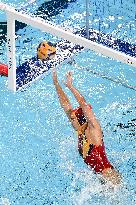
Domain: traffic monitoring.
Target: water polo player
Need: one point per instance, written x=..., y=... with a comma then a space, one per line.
x=90, y=136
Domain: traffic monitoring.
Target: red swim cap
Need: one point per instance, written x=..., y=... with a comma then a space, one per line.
x=80, y=115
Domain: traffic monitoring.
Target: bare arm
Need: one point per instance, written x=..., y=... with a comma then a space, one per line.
x=86, y=109
x=64, y=101
x=91, y=119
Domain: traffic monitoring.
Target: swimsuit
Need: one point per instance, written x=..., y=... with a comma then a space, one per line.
x=96, y=157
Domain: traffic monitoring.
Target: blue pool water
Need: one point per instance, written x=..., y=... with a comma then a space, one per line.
x=40, y=164
x=21, y=5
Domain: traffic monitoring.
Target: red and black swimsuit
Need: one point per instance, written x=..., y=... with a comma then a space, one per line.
x=96, y=157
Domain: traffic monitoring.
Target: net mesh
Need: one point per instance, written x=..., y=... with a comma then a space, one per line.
x=107, y=19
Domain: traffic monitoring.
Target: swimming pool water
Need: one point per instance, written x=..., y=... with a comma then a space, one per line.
x=116, y=19
x=39, y=160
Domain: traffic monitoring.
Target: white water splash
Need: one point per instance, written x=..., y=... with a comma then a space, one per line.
x=4, y=201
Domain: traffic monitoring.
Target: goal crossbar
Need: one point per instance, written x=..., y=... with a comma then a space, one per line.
x=56, y=31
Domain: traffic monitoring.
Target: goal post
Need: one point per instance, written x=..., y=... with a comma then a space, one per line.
x=11, y=54
x=55, y=30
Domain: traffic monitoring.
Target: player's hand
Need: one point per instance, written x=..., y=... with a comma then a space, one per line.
x=69, y=80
